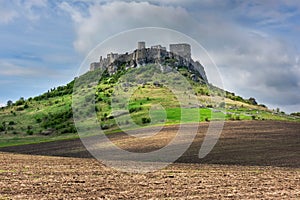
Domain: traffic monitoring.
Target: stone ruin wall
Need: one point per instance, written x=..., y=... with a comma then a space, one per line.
x=155, y=54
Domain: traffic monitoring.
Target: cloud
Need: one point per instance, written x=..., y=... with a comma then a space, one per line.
x=262, y=66
x=112, y=18
x=254, y=60
x=269, y=12
x=27, y=9
x=9, y=69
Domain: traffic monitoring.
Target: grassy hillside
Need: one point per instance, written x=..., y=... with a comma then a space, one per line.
x=49, y=116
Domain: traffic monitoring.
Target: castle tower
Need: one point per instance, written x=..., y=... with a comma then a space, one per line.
x=141, y=45
x=182, y=50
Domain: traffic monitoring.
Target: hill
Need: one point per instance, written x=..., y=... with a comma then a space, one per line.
x=104, y=91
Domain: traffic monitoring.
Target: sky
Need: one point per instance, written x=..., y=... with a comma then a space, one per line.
x=255, y=44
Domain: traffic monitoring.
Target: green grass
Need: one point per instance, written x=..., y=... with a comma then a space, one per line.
x=23, y=140
x=157, y=105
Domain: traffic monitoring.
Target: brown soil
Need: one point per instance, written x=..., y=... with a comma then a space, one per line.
x=44, y=177
x=257, y=143
x=263, y=144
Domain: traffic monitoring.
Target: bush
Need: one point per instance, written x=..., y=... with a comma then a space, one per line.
x=296, y=114
x=11, y=123
x=70, y=129
x=131, y=110
x=146, y=120
x=20, y=108
x=29, y=132
x=21, y=101
x=2, y=128
x=104, y=126
x=252, y=101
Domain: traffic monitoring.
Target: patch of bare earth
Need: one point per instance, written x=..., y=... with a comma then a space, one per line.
x=252, y=160
x=256, y=143
x=43, y=177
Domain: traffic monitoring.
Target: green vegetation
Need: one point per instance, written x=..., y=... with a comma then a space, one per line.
x=49, y=116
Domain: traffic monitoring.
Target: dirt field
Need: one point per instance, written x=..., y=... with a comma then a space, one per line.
x=255, y=143
x=42, y=177
x=252, y=160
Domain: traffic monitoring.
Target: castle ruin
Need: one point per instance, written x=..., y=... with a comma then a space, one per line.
x=179, y=53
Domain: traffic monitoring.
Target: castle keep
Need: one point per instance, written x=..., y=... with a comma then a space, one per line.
x=179, y=54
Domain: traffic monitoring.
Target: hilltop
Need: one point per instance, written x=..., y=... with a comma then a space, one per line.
x=49, y=116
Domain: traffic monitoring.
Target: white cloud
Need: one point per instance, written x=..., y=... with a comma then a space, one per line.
x=75, y=14
x=108, y=19
x=10, y=69
x=28, y=9
x=253, y=62
x=32, y=8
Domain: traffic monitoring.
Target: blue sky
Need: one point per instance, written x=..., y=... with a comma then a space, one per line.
x=255, y=44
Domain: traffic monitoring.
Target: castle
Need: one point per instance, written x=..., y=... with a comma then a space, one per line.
x=179, y=53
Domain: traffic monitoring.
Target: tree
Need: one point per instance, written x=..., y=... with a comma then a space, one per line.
x=20, y=101
x=252, y=101
x=9, y=103
x=296, y=114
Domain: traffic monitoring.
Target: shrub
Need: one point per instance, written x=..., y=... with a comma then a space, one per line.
x=21, y=101
x=70, y=129
x=29, y=132
x=131, y=110
x=11, y=123
x=2, y=128
x=104, y=126
x=252, y=101
x=146, y=120
x=20, y=108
